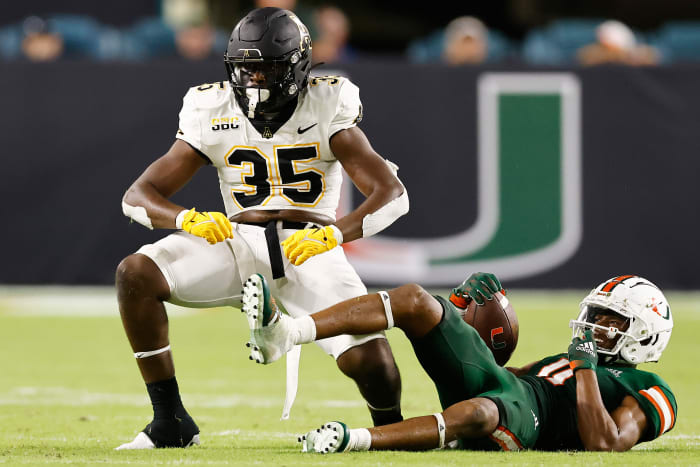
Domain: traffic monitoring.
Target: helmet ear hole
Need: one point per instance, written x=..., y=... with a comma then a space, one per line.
x=649, y=340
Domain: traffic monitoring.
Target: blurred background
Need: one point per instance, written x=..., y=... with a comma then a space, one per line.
x=553, y=143
x=528, y=31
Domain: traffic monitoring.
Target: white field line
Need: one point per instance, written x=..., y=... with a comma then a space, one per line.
x=117, y=461
x=240, y=434
x=237, y=433
x=682, y=436
x=61, y=396
x=255, y=434
x=690, y=440
x=102, y=300
x=66, y=301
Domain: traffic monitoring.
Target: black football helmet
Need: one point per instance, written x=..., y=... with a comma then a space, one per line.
x=268, y=60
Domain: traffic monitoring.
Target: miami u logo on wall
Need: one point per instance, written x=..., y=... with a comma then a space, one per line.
x=529, y=213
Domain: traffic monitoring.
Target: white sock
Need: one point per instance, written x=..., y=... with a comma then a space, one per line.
x=360, y=440
x=306, y=330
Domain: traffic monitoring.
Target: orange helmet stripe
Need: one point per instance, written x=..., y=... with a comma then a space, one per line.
x=612, y=283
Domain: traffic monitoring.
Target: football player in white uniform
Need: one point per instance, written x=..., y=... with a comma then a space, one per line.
x=278, y=140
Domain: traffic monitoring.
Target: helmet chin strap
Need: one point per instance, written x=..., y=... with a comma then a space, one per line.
x=255, y=95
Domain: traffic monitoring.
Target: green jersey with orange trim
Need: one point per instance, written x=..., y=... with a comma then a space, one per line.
x=555, y=388
x=290, y=168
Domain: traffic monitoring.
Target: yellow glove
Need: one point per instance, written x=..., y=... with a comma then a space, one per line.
x=212, y=226
x=304, y=244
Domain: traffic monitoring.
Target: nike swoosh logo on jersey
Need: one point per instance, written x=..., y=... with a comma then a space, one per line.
x=301, y=130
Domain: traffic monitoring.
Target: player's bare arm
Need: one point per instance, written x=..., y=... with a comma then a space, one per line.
x=385, y=201
x=146, y=201
x=370, y=174
x=600, y=430
x=163, y=178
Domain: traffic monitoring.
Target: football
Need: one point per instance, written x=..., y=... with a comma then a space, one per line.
x=497, y=325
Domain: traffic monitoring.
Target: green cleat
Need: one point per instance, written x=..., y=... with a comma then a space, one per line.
x=331, y=437
x=271, y=333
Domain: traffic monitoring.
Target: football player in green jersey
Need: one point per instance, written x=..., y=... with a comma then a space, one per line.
x=590, y=398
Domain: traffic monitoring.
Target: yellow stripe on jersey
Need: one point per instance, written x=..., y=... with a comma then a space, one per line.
x=662, y=405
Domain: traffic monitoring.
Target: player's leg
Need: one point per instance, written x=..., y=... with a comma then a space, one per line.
x=141, y=290
x=144, y=281
x=474, y=418
x=321, y=282
x=408, y=307
x=368, y=361
x=371, y=365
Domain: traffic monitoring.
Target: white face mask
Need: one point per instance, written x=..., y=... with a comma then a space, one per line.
x=255, y=96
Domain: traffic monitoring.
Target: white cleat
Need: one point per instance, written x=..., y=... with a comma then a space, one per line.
x=270, y=330
x=143, y=441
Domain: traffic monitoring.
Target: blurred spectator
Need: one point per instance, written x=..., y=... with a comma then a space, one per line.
x=179, y=14
x=195, y=38
x=286, y=4
x=332, y=32
x=466, y=41
x=616, y=43
x=148, y=38
x=196, y=42
x=39, y=42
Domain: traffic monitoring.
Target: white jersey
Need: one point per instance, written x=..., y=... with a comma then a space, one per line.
x=292, y=169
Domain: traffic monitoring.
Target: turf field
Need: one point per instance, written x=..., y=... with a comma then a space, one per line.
x=70, y=390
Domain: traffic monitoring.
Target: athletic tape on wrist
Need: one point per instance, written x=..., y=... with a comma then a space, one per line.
x=337, y=234
x=441, y=429
x=180, y=218
x=151, y=353
x=387, y=308
x=137, y=214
